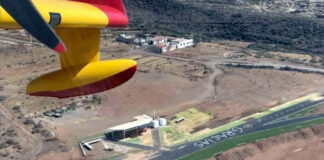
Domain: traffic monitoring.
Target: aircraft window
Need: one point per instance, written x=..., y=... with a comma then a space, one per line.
x=55, y=19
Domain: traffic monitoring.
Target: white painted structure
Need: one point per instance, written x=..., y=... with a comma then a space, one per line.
x=82, y=150
x=158, y=40
x=155, y=123
x=163, y=122
x=88, y=143
x=182, y=43
x=139, y=121
x=179, y=120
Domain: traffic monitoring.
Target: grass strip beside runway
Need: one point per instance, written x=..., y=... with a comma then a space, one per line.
x=285, y=105
x=216, y=149
x=257, y=115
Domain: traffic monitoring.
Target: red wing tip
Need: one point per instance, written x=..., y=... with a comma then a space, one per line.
x=91, y=88
x=60, y=48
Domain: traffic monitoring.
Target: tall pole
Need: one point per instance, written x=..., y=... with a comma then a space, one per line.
x=31, y=39
x=31, y=46
x=154, y=114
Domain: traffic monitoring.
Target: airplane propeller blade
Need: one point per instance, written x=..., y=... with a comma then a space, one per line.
x=27, y=16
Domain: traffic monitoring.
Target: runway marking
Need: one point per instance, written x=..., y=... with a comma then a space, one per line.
x=240, y=144
x=218, y=153
x=216, y=138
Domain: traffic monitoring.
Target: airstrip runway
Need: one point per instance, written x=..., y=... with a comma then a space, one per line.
x=273, y=120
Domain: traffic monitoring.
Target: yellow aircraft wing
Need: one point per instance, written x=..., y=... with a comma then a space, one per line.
x=83, y=46
x=77, y=24
x=82, y=73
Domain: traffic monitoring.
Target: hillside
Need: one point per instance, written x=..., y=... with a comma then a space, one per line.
x=278, y=22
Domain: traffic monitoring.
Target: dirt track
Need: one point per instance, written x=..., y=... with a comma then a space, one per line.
x=31, y=145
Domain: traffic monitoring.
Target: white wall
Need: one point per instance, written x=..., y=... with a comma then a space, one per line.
x=185, y=43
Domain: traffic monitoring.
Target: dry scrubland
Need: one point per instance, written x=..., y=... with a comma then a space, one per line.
x=236, y=50
x=241, y=92
x=267, y=22
x=164, y=85
x=160, y=84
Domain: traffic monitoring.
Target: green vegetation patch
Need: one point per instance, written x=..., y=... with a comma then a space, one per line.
x=216, y=149
x=178, y=133
x=192, y=116
x=178, y=137
x=304, y=112
x=285, y=105
x=135, y=140
x=257, y=115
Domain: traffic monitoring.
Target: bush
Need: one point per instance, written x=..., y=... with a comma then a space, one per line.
x=16, y=108
x=10, y=133
x=212, y=22
x=10, y=142
x=28, y=121
x=4, y=154
x=3, y=145
x=2, y=98
x=46, y=133
x=37, y=128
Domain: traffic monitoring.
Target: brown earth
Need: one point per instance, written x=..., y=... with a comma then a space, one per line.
x=154, y=89
x=12, y=146
x=241, y=92
x=236, y=50
x=162, y=85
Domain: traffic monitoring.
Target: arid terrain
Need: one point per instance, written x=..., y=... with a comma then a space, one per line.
x=164, y=85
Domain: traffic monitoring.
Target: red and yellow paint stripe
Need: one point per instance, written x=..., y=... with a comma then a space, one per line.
x=94, y=77
x=76, y=14
x=79, y=26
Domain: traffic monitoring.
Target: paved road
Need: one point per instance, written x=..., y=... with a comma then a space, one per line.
x=277, y=66
x=156, y=139
x=213, y=61
x=252, y=126
x=131, y=145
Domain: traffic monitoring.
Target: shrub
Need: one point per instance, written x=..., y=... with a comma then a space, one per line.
x=2, y=98
x=16, y=108
x=28, y=121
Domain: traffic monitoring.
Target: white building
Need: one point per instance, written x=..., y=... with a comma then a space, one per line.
x=158, y=44
x=131, y=39
x=125, y=38
x=182, y=43
x=155, y=123
x=158, y=40
x=159, y=48
x=163, y=122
